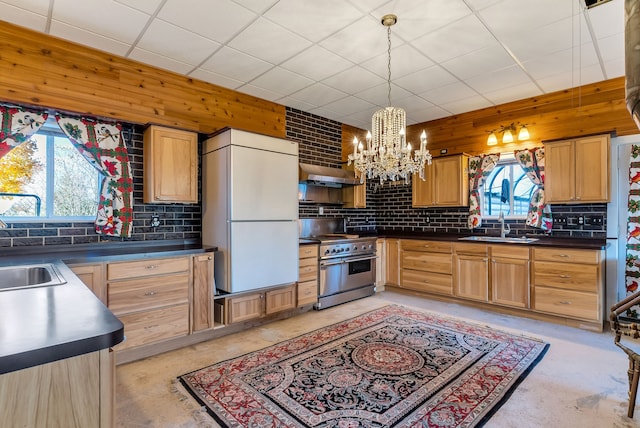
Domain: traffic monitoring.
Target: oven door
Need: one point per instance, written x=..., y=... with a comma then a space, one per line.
x=338, y=275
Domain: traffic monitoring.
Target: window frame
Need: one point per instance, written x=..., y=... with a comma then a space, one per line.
x=505, y=159
x=51, y=131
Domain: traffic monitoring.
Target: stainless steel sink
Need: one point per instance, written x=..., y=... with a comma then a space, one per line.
x=27, y=276
x=507, y=239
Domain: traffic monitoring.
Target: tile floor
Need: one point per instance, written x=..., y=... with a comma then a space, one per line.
x=581, y=382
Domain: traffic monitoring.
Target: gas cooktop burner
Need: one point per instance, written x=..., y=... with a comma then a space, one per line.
x=345, y=247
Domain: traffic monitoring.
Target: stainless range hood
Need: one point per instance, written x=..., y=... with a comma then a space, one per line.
x=328, y=177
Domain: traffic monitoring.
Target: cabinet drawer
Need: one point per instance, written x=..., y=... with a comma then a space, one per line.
x=280, y=300
x=427, y=281
x=308, y=270
x=509, y=251
x=127, y=270
x=428, y=262
x=307, y=251
x=566, y=255
x=155, y=325
x=147, y=293
x=567, y=276
x=567, y=303
x=430, y=246
x=307, y=292
x=470, y=248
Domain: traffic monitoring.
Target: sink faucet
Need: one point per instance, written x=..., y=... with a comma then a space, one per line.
x=504, y=228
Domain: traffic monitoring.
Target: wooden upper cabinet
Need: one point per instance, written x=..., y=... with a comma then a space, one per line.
x=355, y=196
x=577, y=171
x=170, y=165
x=446, y=183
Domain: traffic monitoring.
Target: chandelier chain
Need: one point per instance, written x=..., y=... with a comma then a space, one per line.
x=389, y=65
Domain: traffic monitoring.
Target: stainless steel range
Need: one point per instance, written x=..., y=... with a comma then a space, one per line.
x=347, y=262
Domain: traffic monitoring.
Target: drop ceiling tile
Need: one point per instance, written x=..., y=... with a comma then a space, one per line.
x=258, y=92
x=353, y=80
x=349, y=105
x=313, y=20
x=518, y=92
x=258, y=6
x=40, y=7
x=560, y=62
x=235, y=64
x=458, y=38
x=295, y=103
x=418, y=17
x=607, y=19
x=520, y=17
x=329, y=114
x=405, y=59
x=160, y=61
x=413, y=103
x=611, y=47
x=368, y=6
x=216, y=79
x=362, y=117
x=425, y=80
x=128, y=21
x=281, y=81
x=219, y=24
x=317, y=63
x=430, y=113
x=269, y=42
x=481, y=61
x=614, y=68
x=363, y=40
x=23, y=17
x=498, y=79
x=68, y=32
x=169, y=40
x=146, y=6
x=467, y=104
x=568, y=80
x=448, y=93
x=318, y=94
x=379, y=95
x=482, y=4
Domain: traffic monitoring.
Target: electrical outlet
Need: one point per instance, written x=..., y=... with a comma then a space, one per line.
x=155, y=220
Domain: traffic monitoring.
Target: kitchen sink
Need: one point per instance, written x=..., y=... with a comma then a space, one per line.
x=506, y=239
x=28, y=276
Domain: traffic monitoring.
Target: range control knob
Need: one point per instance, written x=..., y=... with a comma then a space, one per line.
x=355, y=248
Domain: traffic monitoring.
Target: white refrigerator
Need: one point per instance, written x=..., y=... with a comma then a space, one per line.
x=250, y=209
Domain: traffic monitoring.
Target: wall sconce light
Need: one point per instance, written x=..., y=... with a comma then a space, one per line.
x=507, y=133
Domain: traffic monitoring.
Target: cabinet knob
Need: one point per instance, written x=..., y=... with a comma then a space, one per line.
x=150, y=293
x=563, y=255
x=565, y=302
x=209, y=258
x=565, y=276
x=151, y=267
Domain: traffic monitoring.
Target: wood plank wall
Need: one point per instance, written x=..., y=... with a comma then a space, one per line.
x=590, y=109
x=40, y=70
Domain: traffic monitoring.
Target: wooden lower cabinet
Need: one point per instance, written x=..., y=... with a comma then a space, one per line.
x=76, y=392
x=392, y=261
x=93, y=276
x=569, y=283
x=307, y=274
x=471, y=271
x=248, y=306
x=426, y=266
x=510, y=276
x=203, y=293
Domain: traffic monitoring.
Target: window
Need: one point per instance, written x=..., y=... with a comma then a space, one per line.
x=507, y=189
x=47, y=178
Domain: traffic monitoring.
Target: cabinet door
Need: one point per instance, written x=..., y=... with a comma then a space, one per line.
x=93, y=277
x=559, y=172
x=592, y=169
x=243, y=308
x=355, y=196
x=422, y=191
x=381, y=265
x=451, y=185
x=280, y=300
x=510, y=282
x=170, y=166
x=393, y=262
x=203, y=291
x=471, y=277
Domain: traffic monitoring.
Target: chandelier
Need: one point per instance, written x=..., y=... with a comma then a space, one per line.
x=387, y=155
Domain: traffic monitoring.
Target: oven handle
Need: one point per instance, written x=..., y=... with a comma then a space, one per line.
x=325, y=263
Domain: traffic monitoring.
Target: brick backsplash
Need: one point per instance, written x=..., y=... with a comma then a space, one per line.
x=389, y=206
x=177, y=221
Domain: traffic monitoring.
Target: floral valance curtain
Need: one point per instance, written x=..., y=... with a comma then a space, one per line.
x=103, y=146
x=17, y=125
x=479, y=169
x=532, y=161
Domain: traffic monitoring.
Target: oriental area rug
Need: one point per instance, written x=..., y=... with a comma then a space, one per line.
x=392, y=367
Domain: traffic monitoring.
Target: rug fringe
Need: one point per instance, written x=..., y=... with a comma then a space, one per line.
x=198, y=413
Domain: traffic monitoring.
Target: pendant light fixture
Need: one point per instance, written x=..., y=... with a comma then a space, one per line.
x=387, y=155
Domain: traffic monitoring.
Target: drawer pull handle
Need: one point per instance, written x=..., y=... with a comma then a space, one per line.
x=563, y=255
x=150, y=293
x=565, y=302
x=151, y=267
x=565, y=276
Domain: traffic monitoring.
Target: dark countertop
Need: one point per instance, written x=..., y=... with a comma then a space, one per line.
x=45, y=324
x=543, y=240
